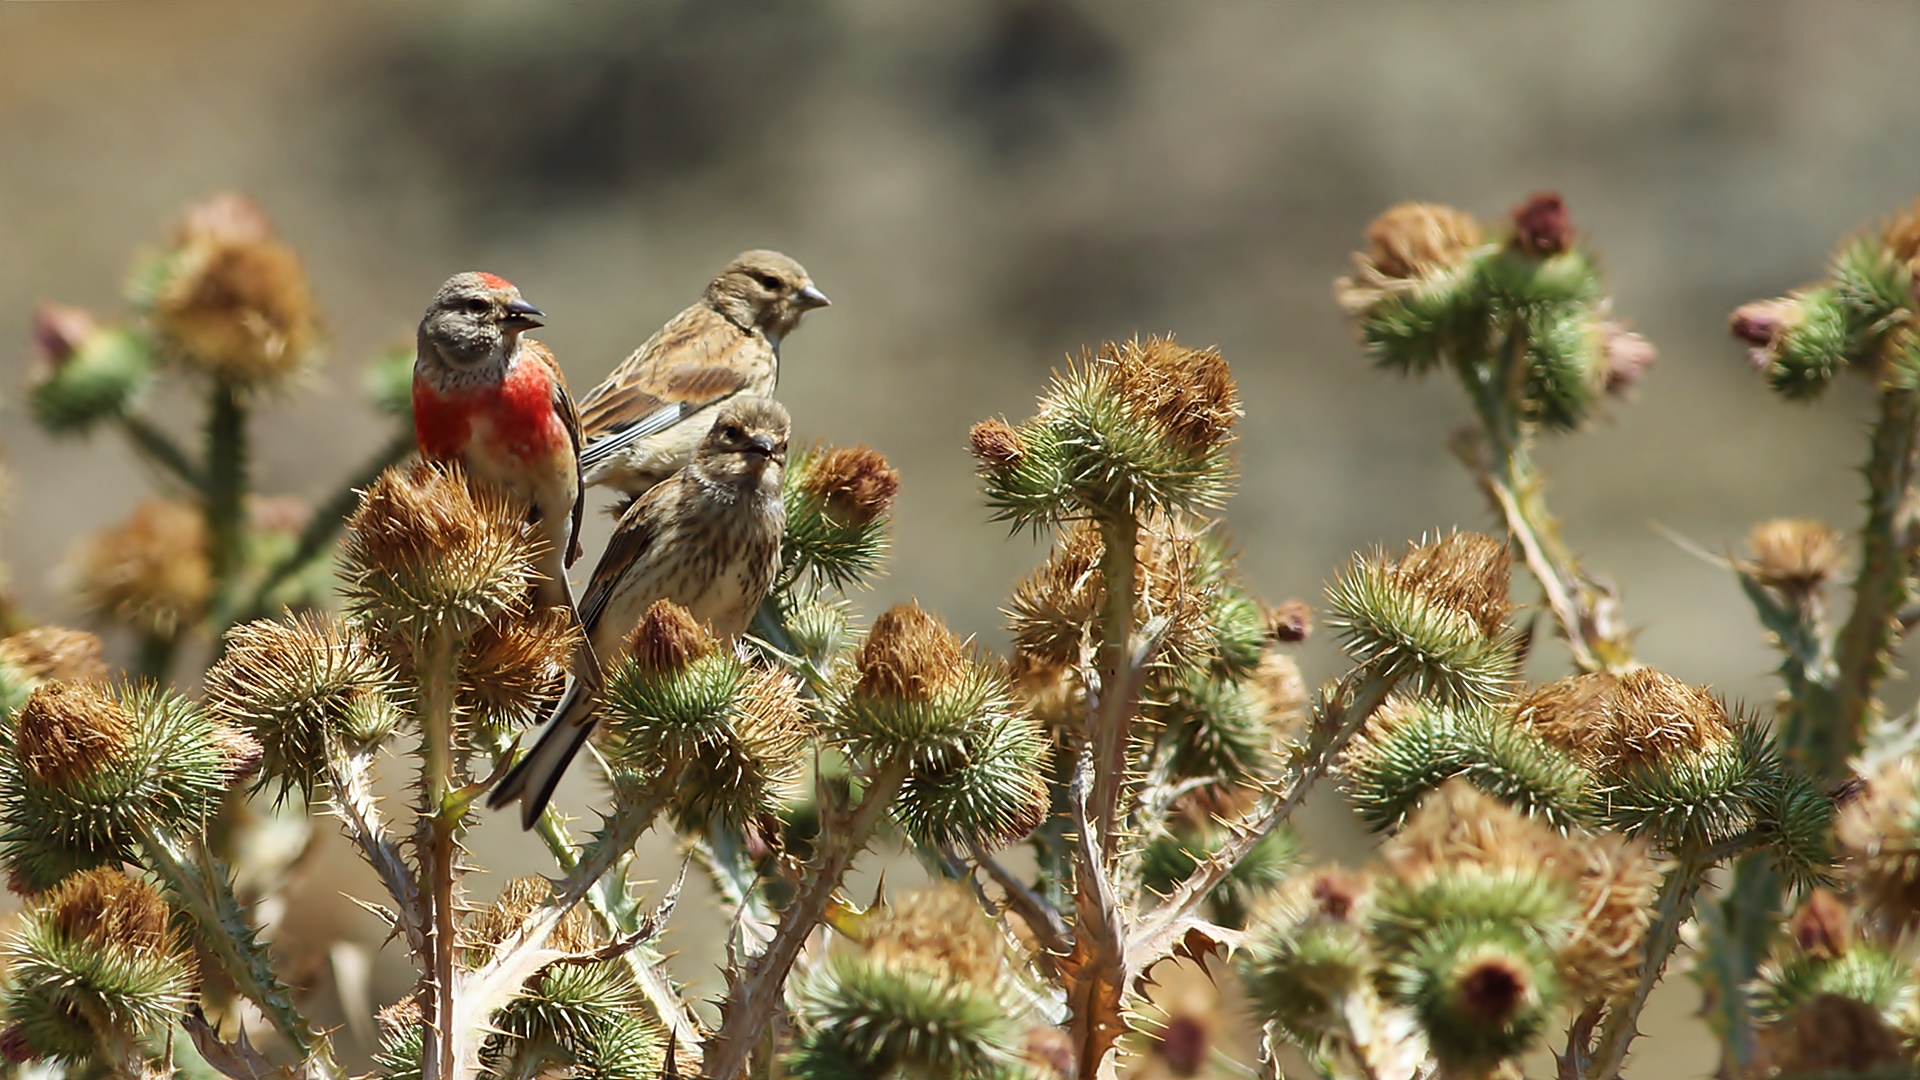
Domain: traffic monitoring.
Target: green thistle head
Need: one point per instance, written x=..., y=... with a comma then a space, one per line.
x=1436, y=617
x=85, y=373
x=837, y=500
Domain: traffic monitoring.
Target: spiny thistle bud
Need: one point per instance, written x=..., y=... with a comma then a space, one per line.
x=1213, y=727
x=1176, y=1030
x=1541, y=225
x=94, y=964
x=1435, y=617
x=1800, y=341
x=1834, y=1035
x=151, y=572
x=43, y=654
x=587, y=1015
x=816, y=625
x=1857, y=999
x=426, y=553
x=837, y=500
x=728, y=737
x=91, y=772
x=1482, y=994
x=1796, y=556
x=1627, y=357
x=1410, y=747
x=402, y=1039
x=84, y=373
x=1879, y=834
x=927, y=992
x=231, y=299
x=302, y=688
x=914, y=696
x=995, y=444
x=1138, y=427
x=513, y=667
x=1308, y=957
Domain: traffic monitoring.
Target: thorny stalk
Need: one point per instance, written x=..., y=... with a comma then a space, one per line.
x=1671, y=911
x=1119, y=534
x=756, y=994
x=1099, y=940
x=447, y=1043
x=226, y=495
x=161, y=449
x=359, y=814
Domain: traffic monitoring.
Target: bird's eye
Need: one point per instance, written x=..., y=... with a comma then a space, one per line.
x=732, y=433
x=478, y=306
x=768, y=281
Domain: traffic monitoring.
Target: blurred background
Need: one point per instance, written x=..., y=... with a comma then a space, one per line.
x=983, y=188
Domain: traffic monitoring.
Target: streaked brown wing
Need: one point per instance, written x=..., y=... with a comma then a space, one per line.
x=570, y=419
x=697, y=338
x=636, y=534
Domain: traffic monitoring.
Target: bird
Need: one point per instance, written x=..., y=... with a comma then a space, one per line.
x=706, y=538
x=644, y=420
x=493, y=400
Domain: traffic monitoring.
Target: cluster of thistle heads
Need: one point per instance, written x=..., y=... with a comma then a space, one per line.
x=1542, y=843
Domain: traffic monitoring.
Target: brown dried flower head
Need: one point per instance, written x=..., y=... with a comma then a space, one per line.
x=1458, y=826
x=68, y=732
x=1187, y=393
x=514, y=665
x=1051, y=692
x=1821, y=926
x=1617, y=884
x=518, y=898
x=909, y=655
x=940, y=930
x=667, y=639
x=1901, y=235
x=1463, y=572
x=107, y=908
x=1541, y=225
x=995, y=444
x=1290, y=622
x=424, y=547
x=1795, y=555
x=1416, y=240
x=1282, y=691
x=1620, y=723
x=856, y=483
x=242, y=753
x=151, y=571
x=1831, y=1035
x=1879, y=832
x=54, y=652
x=236, y=301
x=1055, y=611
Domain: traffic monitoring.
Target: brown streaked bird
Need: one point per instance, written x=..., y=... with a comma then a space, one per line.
x=707, y=538
x=643, y=422
x=492, y=399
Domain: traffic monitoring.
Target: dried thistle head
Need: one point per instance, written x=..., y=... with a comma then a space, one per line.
x=150, y=572
x=1458, y=827
x=1308, y=953
x=909, y=656
x=1416, y=240
x=513, y=668
x=1437, y=616
x=747, y=779
x=1617, y=724
x=1618, y=882
x=1055, y=612
x=1289, y=622
x=1794, y=555
x=942, y=931
x=1832, y=1035
x=234, y=300
x=1879, y=835
x=109, y=908
x=69, y=733
x=995, y=444
x=1189, y=394
x=1053, y=694
x=426, y=552
x=667, y=639
x=301, y=688
x=55, y=653
x=487, y=928
x=854, y=483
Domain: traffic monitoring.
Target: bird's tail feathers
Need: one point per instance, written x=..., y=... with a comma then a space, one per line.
x=532, y=780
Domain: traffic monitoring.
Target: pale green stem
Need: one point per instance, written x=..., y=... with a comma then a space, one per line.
x=1671, y=911
x=754, y=997
x=442, y=1051
x=202, y=890
x=1119, y=534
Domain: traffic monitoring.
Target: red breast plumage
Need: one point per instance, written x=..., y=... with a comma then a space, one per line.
x=512, y=419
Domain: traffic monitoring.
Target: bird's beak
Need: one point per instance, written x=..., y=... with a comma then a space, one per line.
x=524, y=316
x=810, y=297
x=760, y=446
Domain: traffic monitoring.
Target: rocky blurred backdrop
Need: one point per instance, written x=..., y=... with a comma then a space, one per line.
x=983, y=188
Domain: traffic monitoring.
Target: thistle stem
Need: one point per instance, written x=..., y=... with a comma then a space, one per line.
x=226, y=494
x=1883, y=585
x=1119, y=698
x=750, y=1004
x=446, y=1046
x=160, y=448
x=202, y=889
x=1160, y=930
x=1671, y=911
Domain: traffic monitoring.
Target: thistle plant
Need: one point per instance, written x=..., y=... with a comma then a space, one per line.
x=1545, y=848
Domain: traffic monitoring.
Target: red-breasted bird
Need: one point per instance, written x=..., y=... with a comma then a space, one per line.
x=707, y=538
x=643, y=422
x=492, y=399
